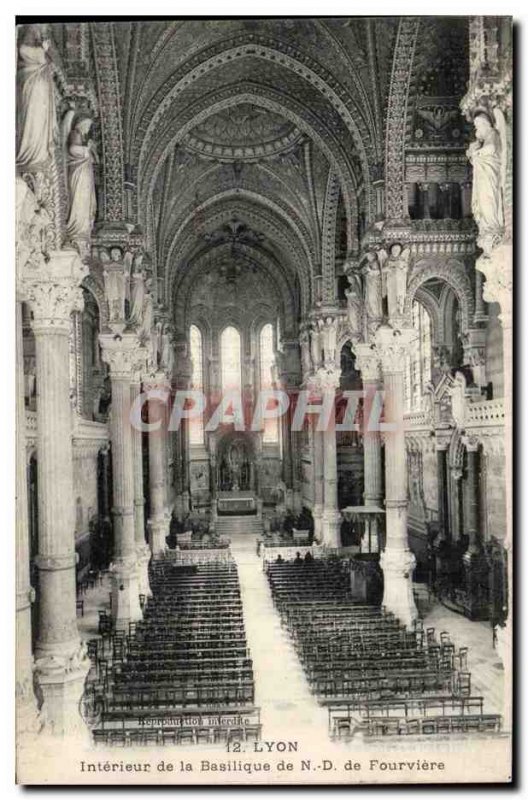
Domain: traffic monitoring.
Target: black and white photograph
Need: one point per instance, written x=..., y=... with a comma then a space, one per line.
x=264, y=334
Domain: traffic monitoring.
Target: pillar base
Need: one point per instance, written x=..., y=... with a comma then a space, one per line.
x=143, y=558
x=29, y=721
x=398, y=567
x=61, y=676
x=476, y=572
x=125, y=593
x=158, y=528
x=317, y=514
x=332, y=528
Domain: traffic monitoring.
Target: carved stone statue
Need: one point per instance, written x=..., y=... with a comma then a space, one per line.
x=354, y=305
x=36, y=111
x=306, y=361
x=114, y=283
x=373, y=290
x=137, y=298
x=81, y=157
x=330, y=339
x=487, y=199
x=147, y=322
x=316, y=344
x=167, y=352
x=395, y=270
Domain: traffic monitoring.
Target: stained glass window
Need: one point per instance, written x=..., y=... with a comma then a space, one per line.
x=230, y=353
x=196, y=425
x=419, y=361
x=267, y=363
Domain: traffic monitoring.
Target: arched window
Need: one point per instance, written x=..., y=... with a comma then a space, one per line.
x=267, y=363
x=196, y=425
x=418, y=367
x=230, y=353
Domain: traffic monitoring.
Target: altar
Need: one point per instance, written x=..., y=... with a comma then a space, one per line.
x=236, y=503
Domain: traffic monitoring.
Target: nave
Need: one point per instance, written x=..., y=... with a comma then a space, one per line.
x=240, y=647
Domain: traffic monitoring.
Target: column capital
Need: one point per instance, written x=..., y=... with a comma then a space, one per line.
x=393, y=346
x=443, y=439
x=324, y=379
x=53, y=290
x=124, y=354
x=368, y=362
x=471, y=443
x=156, y=380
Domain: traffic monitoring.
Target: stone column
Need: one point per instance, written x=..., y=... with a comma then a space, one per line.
x=442, y=493
x=159, y=522
x=318, y=474
x=285, y=433
x=466, y=199
x=397, y=561
x=142, y=548
x=367, y=361
x=472, y=521
x=327, y=381
x=475, y=563
x=125, y=357
x=61, y=663
x=27, y=716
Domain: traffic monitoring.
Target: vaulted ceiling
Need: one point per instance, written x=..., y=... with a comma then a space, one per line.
x=276, y=128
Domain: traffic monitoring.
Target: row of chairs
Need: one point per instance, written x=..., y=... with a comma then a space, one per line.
x=173, y=673
x=376, y=677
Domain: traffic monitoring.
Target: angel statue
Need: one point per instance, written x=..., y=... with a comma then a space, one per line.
x=147, y=323
x=486, y=198
x=373, y=289
x=114, y=283
x=137, y=297
x=330, y=339
x=306, y=361
x=316, y=345
x=81, y=158
x=395, y=270
x=167, y=352
x=36, y=111
x=354, y=305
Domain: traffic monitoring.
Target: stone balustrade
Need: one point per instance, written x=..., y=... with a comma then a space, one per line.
x=485, y=413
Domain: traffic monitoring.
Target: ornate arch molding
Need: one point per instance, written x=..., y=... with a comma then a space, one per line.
x=96, y=290
x=432, y=307
x=447, y=300
x=198, y=316
x=328, y=237
x=278, y=229
x=396, y=127
x=271, y=50
x=453, y=273
x=182, y=290
x=209, y=181
x=109, y=96
x=267, y=98
x=456, y=451
x=274, y=205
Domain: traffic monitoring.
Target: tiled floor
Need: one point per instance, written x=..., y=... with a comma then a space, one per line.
x=282, y=691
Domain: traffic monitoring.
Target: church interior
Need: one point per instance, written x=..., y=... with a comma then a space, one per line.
x=246, y=206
